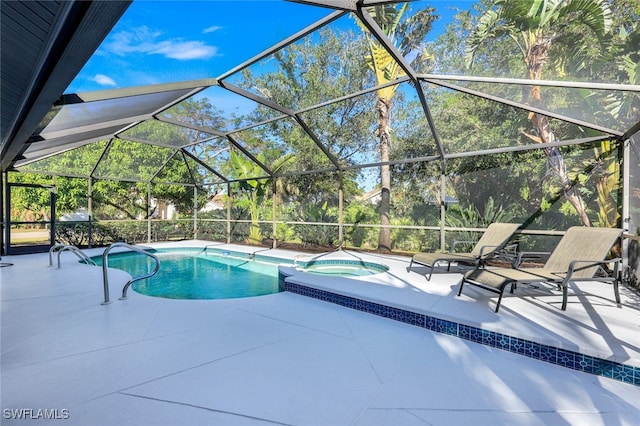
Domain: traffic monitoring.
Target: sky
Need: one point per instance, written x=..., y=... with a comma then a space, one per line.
x=161, y=41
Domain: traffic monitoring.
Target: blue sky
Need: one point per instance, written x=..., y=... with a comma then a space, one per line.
x=169, y=41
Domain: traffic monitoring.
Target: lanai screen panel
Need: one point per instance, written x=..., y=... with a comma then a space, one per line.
x=346, y=128
x=416, y=202
x=283, y=147
x=201, y=174
x=469, y=123
x=159, y=133
x=47, y=147
x=79, y=114
x=524, y=187
x=604, y=109
x=560, y=41
x=214, y=153
x=176, y=171
x=324, y=65
x=218, y=109
x=411, y=135
x=133, y=161
x=80, y=121
x=79, y=162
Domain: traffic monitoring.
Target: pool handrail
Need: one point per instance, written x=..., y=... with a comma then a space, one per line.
x=105, y=266
x=204, y=249
x=59, y=248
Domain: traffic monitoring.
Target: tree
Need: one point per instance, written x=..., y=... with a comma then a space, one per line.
x=407, y=33
x=536, y=26
x=314, y=70
x=620, y=63
x=255, y=190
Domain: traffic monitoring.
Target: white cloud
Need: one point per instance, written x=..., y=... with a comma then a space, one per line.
x=104, y=80
x=184, y=50
x=211, y=29
x=147, y=41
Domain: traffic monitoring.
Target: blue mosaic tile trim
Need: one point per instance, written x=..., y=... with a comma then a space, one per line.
x=550, y=354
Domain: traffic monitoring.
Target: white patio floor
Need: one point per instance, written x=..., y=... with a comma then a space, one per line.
x=294, y=360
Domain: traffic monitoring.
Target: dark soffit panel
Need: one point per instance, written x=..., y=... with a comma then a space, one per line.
x=44, y=46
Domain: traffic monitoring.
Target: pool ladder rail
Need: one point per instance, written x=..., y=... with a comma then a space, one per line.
x=59, y=248
x=105, y=265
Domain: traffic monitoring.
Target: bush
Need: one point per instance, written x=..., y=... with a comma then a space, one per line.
x=405, y=239
x=212, y=231
x=77, y=234
x=165, y=230
x=318, y=235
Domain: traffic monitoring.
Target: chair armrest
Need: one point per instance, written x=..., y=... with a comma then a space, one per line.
x=588, y=264
x=482, y=254
x=530, y=255
x=508, y=253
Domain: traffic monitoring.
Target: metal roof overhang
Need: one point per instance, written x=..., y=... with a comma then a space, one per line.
x=78, y=119
x=44, y=46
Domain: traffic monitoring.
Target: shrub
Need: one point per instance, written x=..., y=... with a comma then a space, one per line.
x=77, y=234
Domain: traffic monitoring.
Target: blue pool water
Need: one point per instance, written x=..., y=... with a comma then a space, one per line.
x=196, y=273
x=192, y=274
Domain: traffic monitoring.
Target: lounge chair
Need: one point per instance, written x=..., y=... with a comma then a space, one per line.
x=577, y=257
x=492, y=241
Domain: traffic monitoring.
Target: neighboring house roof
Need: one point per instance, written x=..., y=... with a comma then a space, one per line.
x=372, y=196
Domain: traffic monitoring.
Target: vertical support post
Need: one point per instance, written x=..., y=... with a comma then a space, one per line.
x=443, y=208
x=90, y=210
x=340, y=211
x=195, y=212
x=273, y=214
x=52, y=220
x=626, y=212
x=148, y=212
x=7, y=213
x=229, y=200
x=3, y=225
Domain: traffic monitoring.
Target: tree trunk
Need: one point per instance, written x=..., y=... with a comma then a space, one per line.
x=536, y=58
x=384, y=136
x=556, y=162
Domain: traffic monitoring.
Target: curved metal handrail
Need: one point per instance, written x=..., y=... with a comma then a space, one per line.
x=53, y=249
x=105, y=266
x=59, y=248
x=204, y=249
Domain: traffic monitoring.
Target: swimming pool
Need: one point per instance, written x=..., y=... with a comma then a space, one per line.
x=196, y=274
x=205, y=273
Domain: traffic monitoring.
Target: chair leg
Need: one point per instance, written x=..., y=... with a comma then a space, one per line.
x=499, y=299
x=409, y=268
x=502, y=289
x=461, y=285
x=565, y=290
x=428, y=277
x=616, y=280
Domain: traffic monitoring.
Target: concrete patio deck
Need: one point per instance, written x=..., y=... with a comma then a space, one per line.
x=290, y=359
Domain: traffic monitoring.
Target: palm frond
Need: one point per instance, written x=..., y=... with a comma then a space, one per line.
x=595, y=14
x=490, y=25
x=281, y=163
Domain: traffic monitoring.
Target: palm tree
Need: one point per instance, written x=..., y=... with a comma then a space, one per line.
x=408, y=36
x=535, y=26
x=256, y=190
